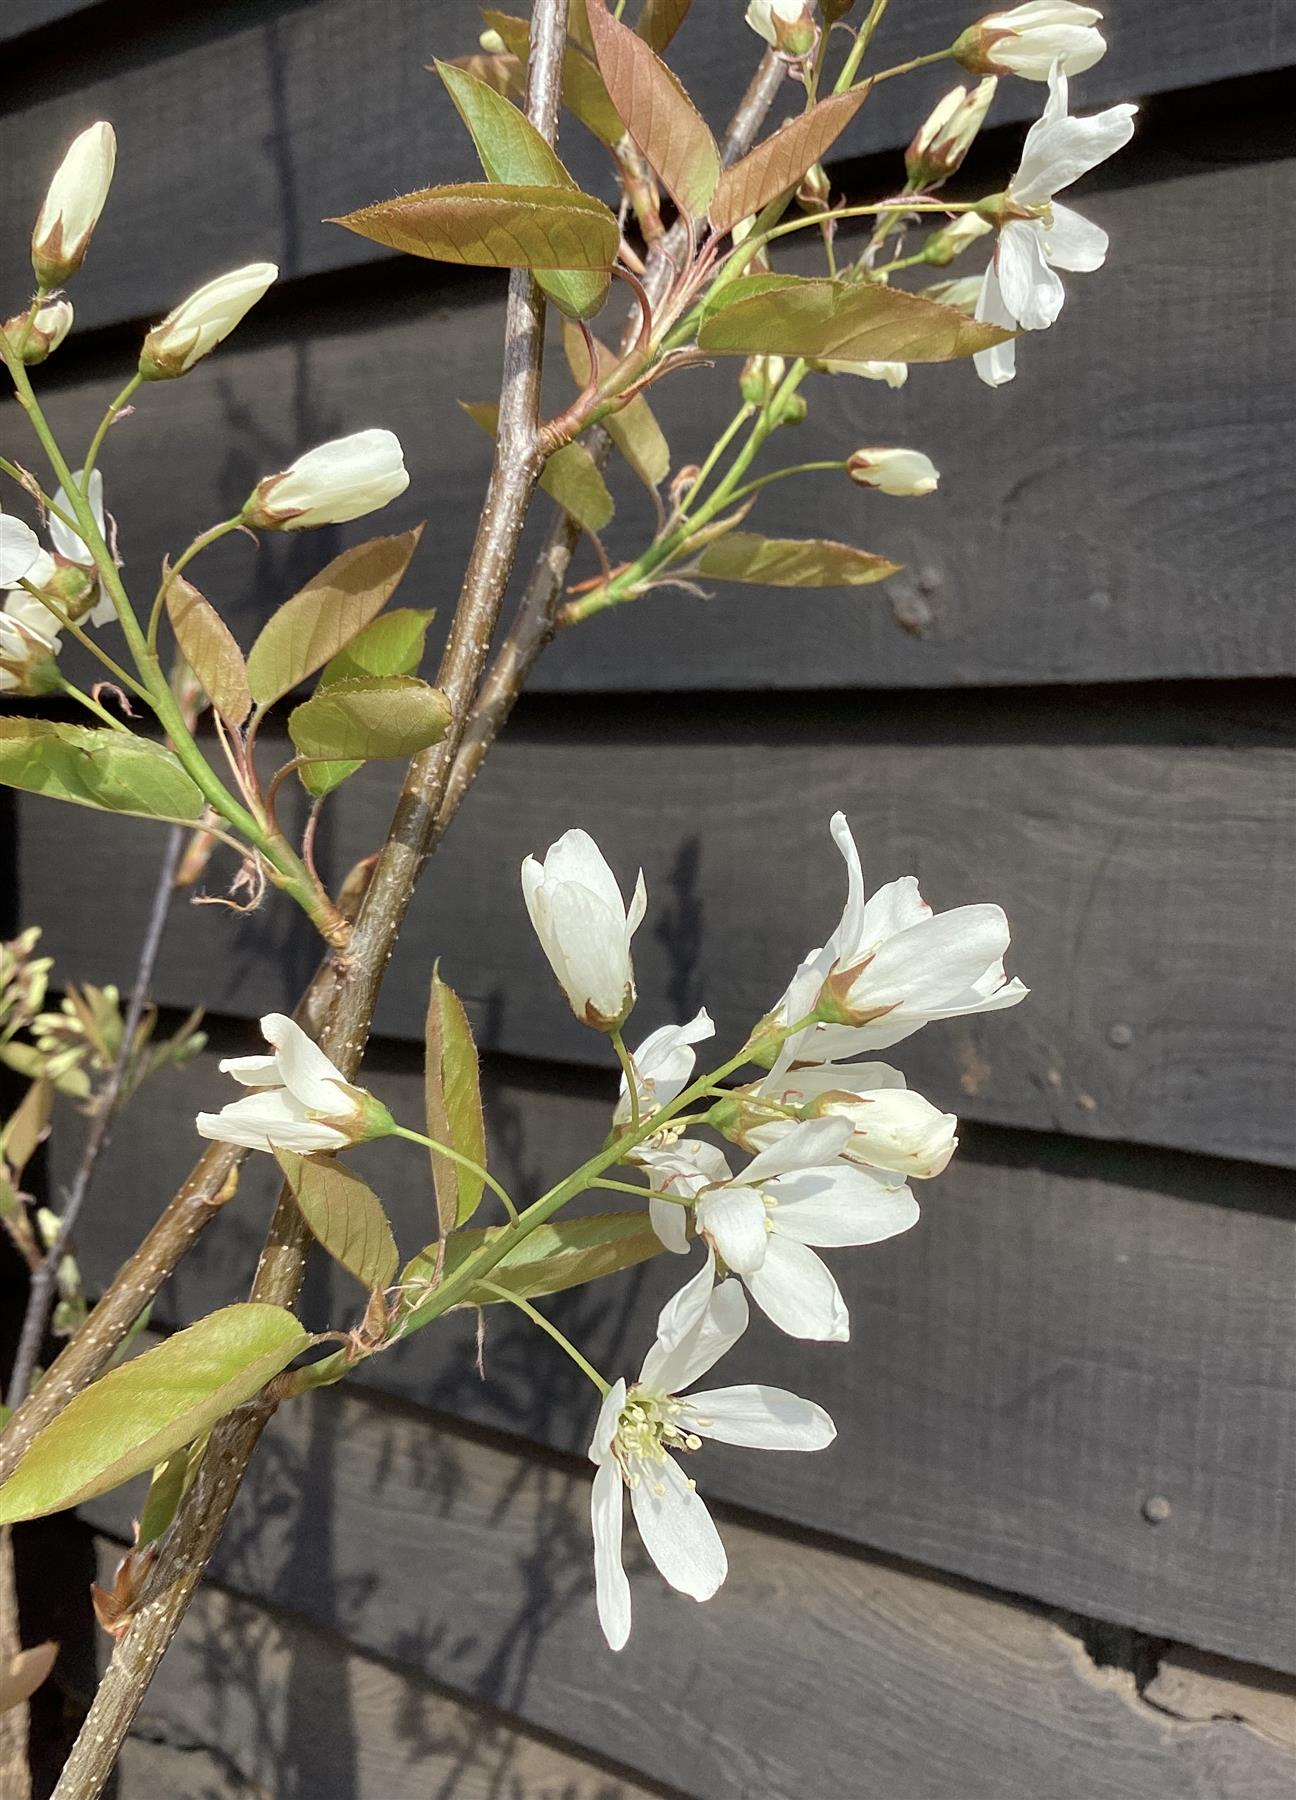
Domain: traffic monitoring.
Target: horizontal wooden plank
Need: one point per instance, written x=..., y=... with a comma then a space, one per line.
x=192, y=198
x=1148, y=886
x=296, y=1711
x=1068, y=1336
x=471, y=1565
x=1127, y=526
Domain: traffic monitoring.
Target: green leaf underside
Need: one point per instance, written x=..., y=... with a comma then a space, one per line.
x=452, y=1095
x=571, y=476
x=788, y=316
x=346, y=1217
x=365, y=720
x=136, y=1416
x=634, y=430
x=658, y=114
x=106, y=769
x=322, y=618
x=553, y=1257
x=207, y=645
x=792, y=562
x=392, y=645
x=778, y=164
x=514, y=154
x=584, y=92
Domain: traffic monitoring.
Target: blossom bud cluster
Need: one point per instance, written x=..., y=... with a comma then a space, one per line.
x=944, y=139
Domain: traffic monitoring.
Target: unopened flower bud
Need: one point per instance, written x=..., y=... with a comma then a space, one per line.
x=72, y=206
x=787, y=26
x=202, y=321
x=34, y=337
x=815, y=192
x=941, y=143
x=337, y=481
x=951, y=240
x=963, y=293
x=493, y=44
x=899, y=472
x=1027, y=41
x=793, y=411
x=761, y=378
x=895, y=374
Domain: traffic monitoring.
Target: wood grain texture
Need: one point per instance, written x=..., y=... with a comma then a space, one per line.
x=1128, y=524
x=1069, y=1334
x=471, y=1566
x=1148, y=885
x=250, y=1704
x=295, y=75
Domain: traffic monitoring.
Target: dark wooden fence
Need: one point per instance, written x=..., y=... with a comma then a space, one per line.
x=1063, y=1491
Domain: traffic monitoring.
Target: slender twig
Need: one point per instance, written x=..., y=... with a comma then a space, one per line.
x=514, y=473
x=41, y=1290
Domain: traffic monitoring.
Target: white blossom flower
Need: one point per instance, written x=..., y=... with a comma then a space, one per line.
x=1021, y=285
x=662, y=1066
x=641, y=1429
x=1028, y=40
x=337, y=481
x=300, y=1100
x=73, y=204
x=29, y=640
x=37, y=336
x=786, y=25
x=899, y=472
x=20, y=551
x=895, y=374
x=893, y=1129
x=70, y=574
x=892, y=966
x=584, y=929
x=204, y=320
x=684, y=1169
x=763, y=1221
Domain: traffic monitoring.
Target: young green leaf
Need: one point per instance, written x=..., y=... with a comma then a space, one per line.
x=346, y=1216
x=452, y=1093
x=787, y=316
x=584, y=92
x=513, y=153
x=658, y=114
x=108, y=769
x=392, y=645
x=570, y=476
x=207, y=645
x=166, y=1491
x=776, y=166
x=634, y=430
x=564, y=1254
x=324, y=616
x=791, y=562
x=660, y=20
x=28, y=1125
x=25, y=1672
x=134, y=1417
x=494, y=227
x=365, y=720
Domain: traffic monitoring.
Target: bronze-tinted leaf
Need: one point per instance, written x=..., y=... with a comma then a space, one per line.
x=452, y=1092
x=777, y=165
x=791, y=562
x=345, y=1215
x=570, y=476
x=324, y=616
x=787, y=316
x=657, y=112
x=660, y=20
x=584, y=90
x=564, y=1254
x=494, y=227
x=207, y=645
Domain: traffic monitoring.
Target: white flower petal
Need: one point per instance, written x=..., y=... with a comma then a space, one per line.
x=20, y=551
x=1060, y=150
x=732, y=1219
x=252, y=1071
x=305, y=1070
x=677, y=1530
x=845, y=1206
x=1032, y=289
x=1074, y=242
x=997, y=365
x=611, y=1589
x=66, y=542
x=808, y=1145
x=268, y=1119
x=670, y=1222
x=670, y=1367
x=759, y=1418
x=605, y=1426
x=796, y=1291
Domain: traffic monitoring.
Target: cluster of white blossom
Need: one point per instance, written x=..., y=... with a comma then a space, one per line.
x=836, y=1142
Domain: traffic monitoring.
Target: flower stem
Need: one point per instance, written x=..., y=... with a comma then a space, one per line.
x=105, y=425
x=641, y=1193
x=631, y=1076
x=201, y=542
x=551, y=1330
x=464, y=1162
x=92, y=705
